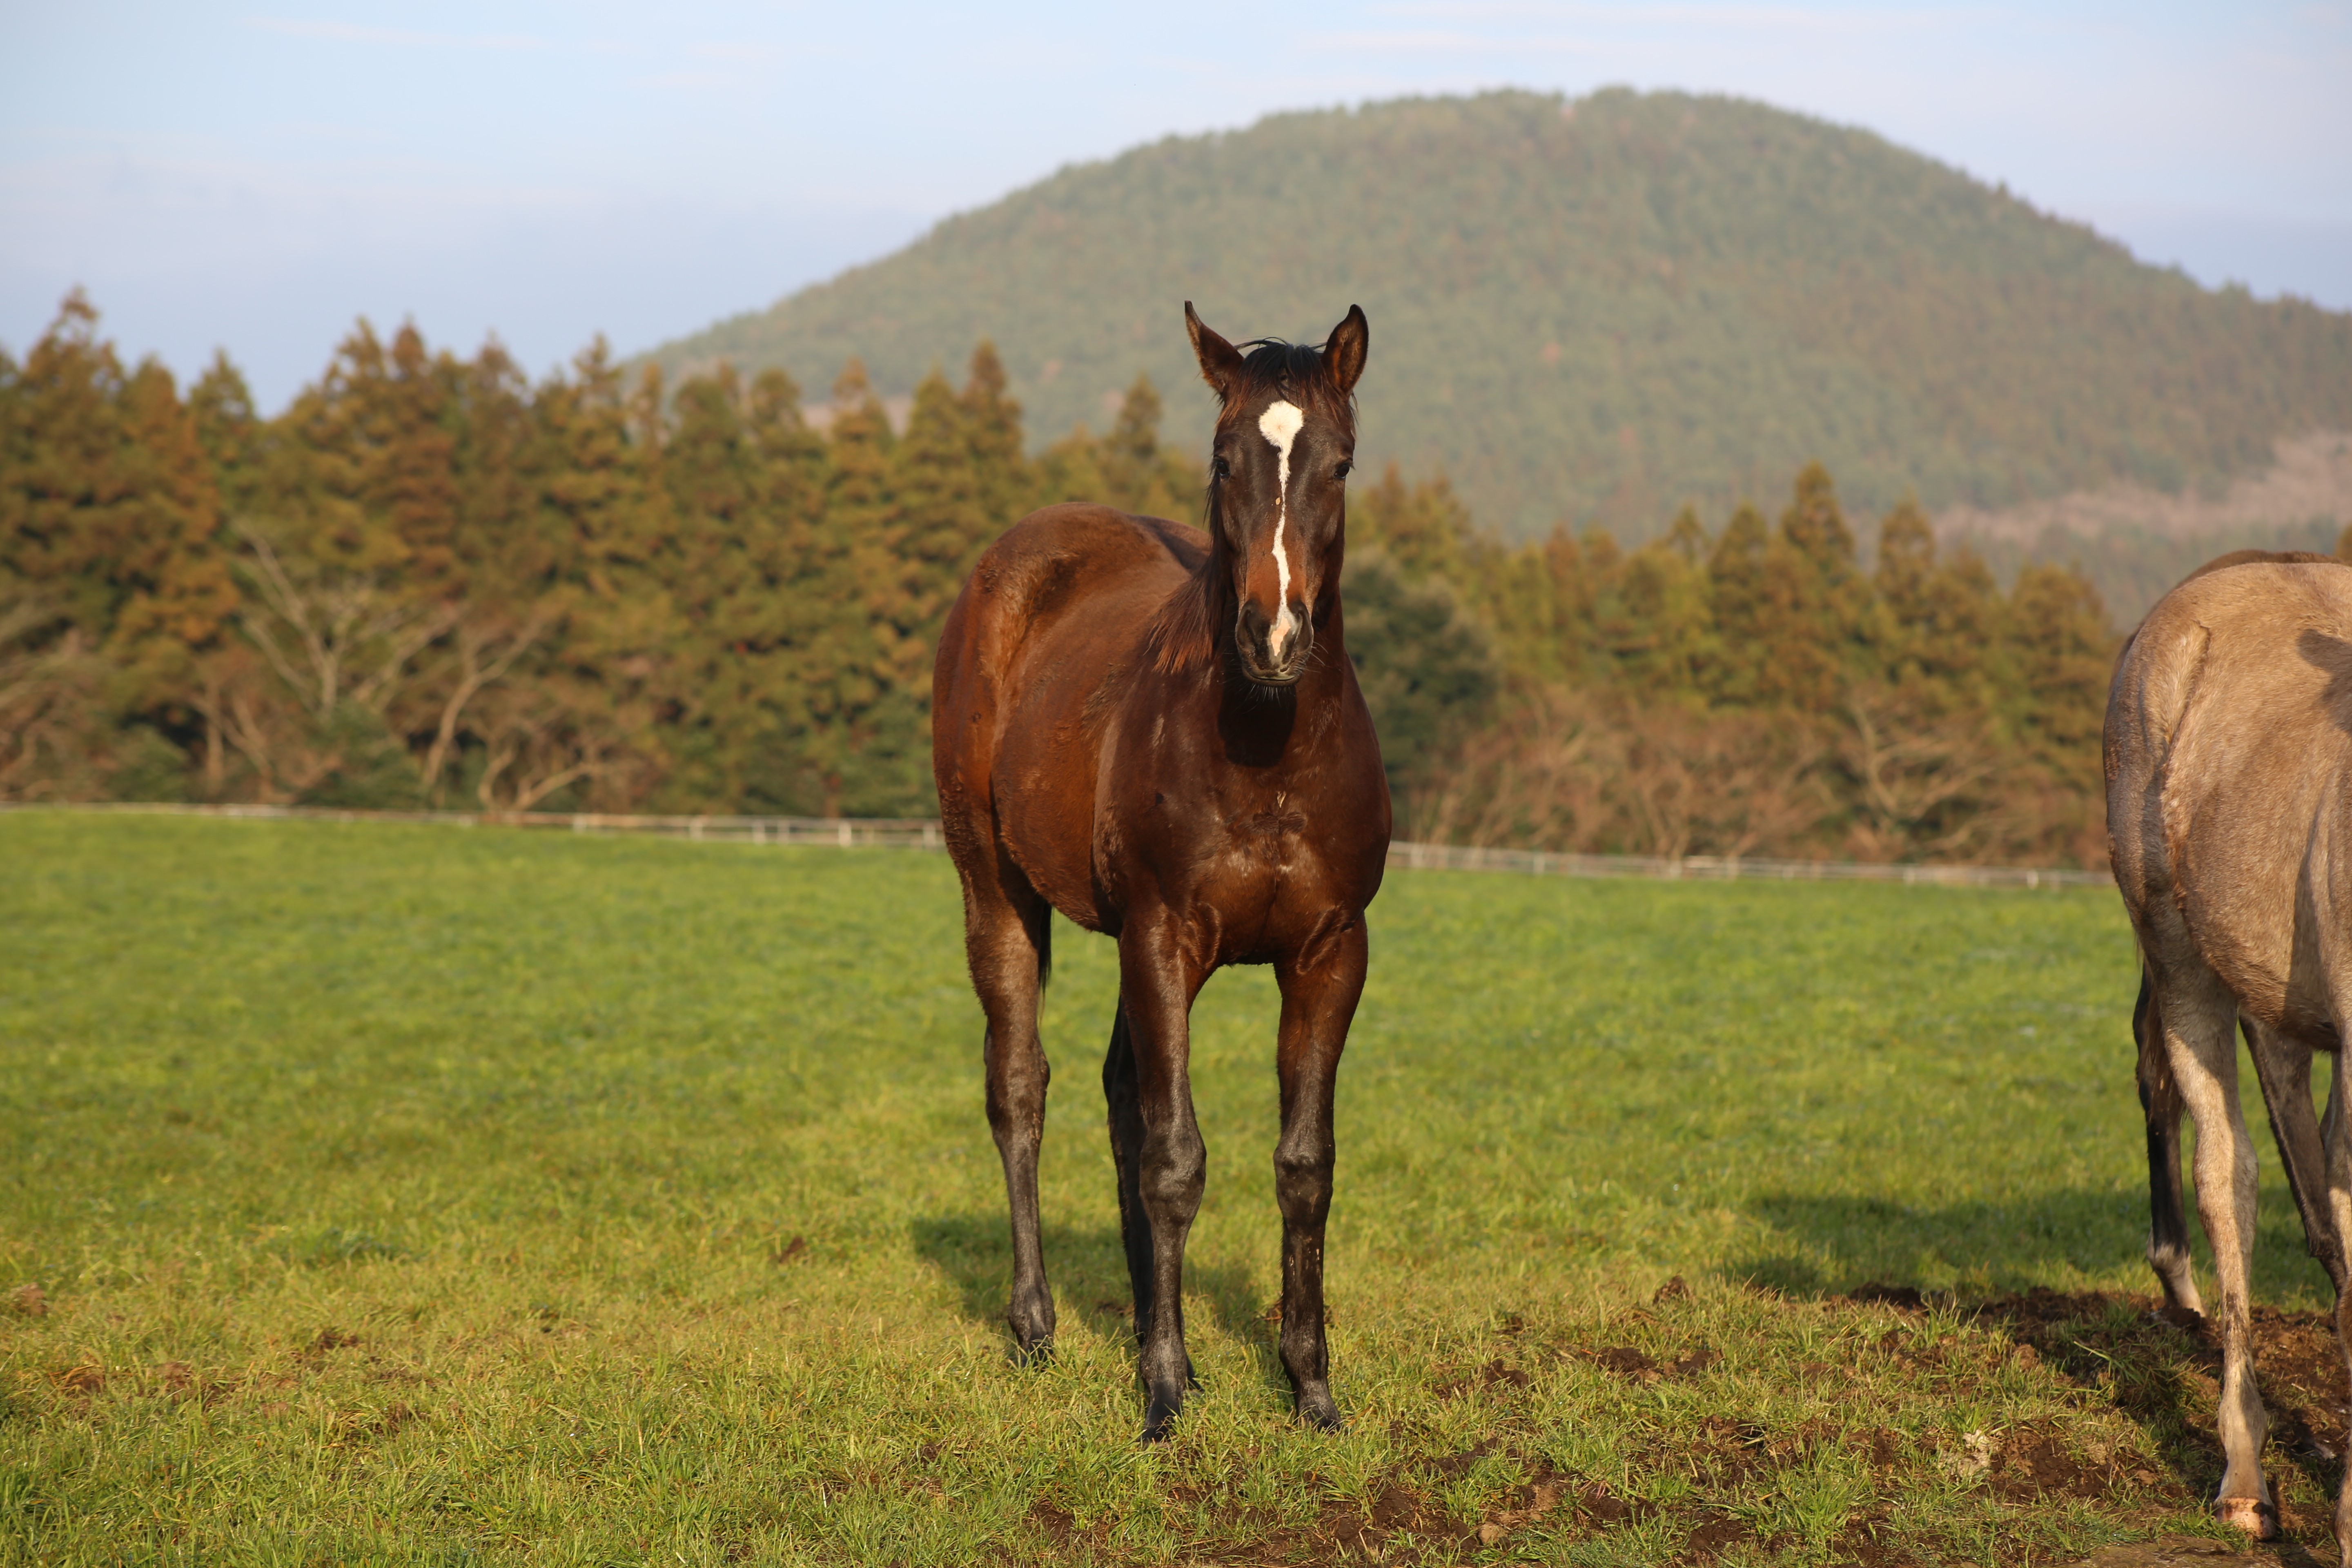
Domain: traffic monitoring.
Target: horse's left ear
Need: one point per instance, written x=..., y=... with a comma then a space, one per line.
x=1344, y=350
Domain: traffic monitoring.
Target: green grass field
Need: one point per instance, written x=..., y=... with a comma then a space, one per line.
x=410, y=1194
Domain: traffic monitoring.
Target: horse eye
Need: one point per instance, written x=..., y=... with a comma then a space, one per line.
x=1344, y=469
x=1219, y=468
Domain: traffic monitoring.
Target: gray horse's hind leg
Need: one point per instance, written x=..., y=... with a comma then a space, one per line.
x=2159, y=1098
x=2198, y=1023
x=2283, y=1066
x=2337, y=1145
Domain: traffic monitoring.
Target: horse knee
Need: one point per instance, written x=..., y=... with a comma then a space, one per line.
x=1175, y=1172
x=1017, y=1080
x=1302, y=1184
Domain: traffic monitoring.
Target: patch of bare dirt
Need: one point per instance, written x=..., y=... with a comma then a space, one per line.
x=1715, y=1533
x=1627, y=1362
x=2033, y=1465
x=1495, y=1373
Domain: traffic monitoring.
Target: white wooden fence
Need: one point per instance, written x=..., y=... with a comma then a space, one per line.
x=899, y=833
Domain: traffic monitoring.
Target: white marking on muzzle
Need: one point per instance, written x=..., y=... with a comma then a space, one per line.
x=1279, y=424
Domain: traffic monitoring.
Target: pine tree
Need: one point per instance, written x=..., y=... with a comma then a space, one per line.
x=1071, y=470
x=1139, y=474
x=1736, y=593
x=1812, y=602
x=1655, y=625
x=942, y=520
x=109, y=561
x=2062, y=652
x=865, y=691
x=1424, y=529
x=1003, y=480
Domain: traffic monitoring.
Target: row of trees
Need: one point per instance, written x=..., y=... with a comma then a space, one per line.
x=431, y=582
x=1754, y=691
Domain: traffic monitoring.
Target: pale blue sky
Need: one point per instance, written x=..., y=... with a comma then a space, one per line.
x=257, y=175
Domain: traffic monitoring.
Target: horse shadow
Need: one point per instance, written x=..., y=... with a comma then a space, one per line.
x=2008, y=1252
x=1088, y=1266
x=1997, y=1246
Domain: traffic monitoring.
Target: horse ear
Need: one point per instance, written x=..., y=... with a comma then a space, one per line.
x=1344, y=350
x=1220, y=363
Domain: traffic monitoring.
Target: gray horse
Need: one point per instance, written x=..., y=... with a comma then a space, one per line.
x=2229, y=765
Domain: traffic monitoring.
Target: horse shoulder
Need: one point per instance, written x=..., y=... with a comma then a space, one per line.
x=1072, y=589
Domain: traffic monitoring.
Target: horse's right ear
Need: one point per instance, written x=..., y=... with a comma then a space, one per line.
x=1220, y=363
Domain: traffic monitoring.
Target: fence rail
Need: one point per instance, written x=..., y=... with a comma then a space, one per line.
x=903, y=833
x=1735, y=868
x=840, y=832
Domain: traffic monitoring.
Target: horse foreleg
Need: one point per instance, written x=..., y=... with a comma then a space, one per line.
x=1156, y=986
x=2282, y=1068
x=2199, y=1020
x=1006, y=940
x=2159, y=1098
x=1319, y=991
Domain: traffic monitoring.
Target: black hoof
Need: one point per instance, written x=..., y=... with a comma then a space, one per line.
x=1160, y=1418
x=1317, y=1410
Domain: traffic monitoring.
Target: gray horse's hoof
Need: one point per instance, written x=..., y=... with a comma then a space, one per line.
x=2251, y=1514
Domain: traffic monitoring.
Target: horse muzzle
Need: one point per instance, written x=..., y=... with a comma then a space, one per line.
x=1273, y=652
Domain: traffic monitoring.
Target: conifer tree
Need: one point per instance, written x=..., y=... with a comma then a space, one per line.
x=1071, y=470
x=1002, y=482
x=1735, y=593
x=1655, y=625
x=941, y=520
x=1811, y=601
x=865, y=709
x=2063, y=653
x=1140, y=476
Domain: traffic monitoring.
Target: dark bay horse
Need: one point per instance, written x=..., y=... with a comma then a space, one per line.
x=1157, y=731
x=2229, y=762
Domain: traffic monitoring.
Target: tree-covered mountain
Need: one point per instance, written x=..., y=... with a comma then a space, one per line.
x=1595, y=310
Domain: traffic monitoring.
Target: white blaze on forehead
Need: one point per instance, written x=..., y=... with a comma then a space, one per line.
x=1279, y=424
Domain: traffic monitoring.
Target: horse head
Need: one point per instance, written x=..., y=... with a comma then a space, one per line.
x=1277, y=484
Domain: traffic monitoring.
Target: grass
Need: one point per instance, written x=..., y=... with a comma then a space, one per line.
x=405, y=1194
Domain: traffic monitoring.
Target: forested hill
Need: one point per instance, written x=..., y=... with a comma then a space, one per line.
x=1593, y=311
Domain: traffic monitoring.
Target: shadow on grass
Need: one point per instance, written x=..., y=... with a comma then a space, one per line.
x=1087, y=1267
x=2160, y=1369
x=1838, y=1241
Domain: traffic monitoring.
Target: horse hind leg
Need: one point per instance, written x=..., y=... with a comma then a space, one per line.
x=2336, y=1152
x=2198, y=1025
x=1007, y=938
x=2282, y=1068
x=2159, y=1098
